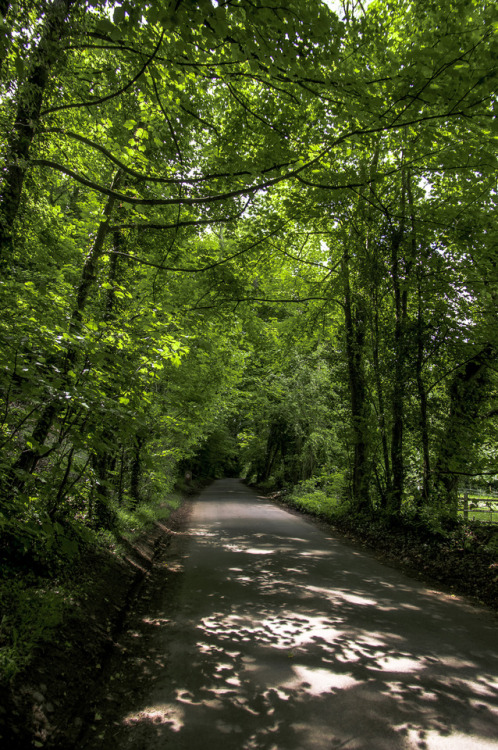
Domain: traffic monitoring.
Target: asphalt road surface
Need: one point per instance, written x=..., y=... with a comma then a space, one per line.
x=266, y=633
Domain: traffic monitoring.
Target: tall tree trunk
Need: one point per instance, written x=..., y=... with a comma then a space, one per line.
x=103, y=513
x=422, y=395
x=356, y=318
x=355, y=339
x=467, y=392
x=62, y=485
x=136, y=472
x=397, y=458
x=400, y=273
x=121, y=475
x=385, y=491
x=106, y=450
x=271, y=454
x=27, y=118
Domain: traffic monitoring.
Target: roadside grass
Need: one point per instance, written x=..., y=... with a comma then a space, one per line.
x=484, y=516
x=478, y=508
x=318, y=503
x=132, y=522
x=320, y=496
x=324, y=503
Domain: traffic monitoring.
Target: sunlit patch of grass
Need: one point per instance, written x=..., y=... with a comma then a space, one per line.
x=484, y=516
x=317, y=502
x=132, y=521
x=322, y=496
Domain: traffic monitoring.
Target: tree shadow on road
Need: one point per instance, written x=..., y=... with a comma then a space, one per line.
x=289, y=642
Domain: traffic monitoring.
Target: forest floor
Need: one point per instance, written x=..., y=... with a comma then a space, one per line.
x=42, y=707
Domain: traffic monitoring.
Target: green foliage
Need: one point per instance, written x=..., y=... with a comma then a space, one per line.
x=34, y=605
x=30, y=614
x=492, y=545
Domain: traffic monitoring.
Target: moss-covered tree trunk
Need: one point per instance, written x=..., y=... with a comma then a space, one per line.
x=467, y=392
x=29, y=107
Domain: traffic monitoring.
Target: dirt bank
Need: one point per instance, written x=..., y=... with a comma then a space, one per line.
x=40, y=707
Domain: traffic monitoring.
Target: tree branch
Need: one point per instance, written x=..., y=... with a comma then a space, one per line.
x=175, y=225
x=115, y=160
x=171, y=201
x=269, y=299
x=204, y=268
x=107, y=98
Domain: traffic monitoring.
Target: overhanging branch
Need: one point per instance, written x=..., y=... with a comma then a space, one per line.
x=161, y=267
x=102, y=99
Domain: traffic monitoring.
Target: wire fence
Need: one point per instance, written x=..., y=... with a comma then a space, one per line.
x=478, y=508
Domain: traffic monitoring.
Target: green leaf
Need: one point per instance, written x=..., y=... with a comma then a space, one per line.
x=19, y=63
x=105, y=26
x=119, y=14
x=68, y=547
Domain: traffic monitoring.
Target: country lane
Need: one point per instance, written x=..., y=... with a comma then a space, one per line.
x=263, y=632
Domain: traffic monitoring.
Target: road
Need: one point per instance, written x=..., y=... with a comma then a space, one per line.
x=267, y=633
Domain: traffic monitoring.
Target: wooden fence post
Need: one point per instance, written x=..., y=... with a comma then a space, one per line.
x=466, y=506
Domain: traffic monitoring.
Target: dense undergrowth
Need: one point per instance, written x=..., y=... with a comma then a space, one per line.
x=43, y=585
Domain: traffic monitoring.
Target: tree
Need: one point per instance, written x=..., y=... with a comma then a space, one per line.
x=188, y=189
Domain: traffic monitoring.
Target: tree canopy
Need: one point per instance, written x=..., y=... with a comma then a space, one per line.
x=247, y=237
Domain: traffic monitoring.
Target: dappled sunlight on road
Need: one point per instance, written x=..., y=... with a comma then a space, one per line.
x=316, y=680
x=282, y=638
x=419, y=738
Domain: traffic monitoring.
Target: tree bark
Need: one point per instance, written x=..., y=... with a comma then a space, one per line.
x=397, y=458
x=422, y=395
x=355, y=338
x=467, y=391
x=103, y=513
x=105, y=452
x=27, y=118
x=400, y=273
x=62, y=485
x=136, y=472
x=384, y=491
